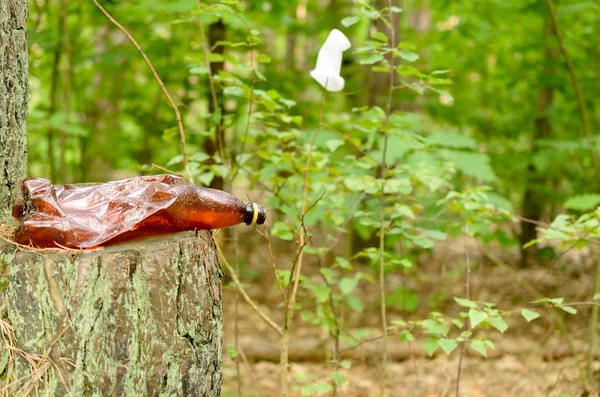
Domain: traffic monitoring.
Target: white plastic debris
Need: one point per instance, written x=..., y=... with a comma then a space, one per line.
x=329, y=62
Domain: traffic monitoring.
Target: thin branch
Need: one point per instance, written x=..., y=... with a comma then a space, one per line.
x=468, y=296
x=162, y=86
x=576, y=86
x=384, y=169
x=302, y=239
x=267, y=238
x=593, y=327
x=213, y=93
x=534, y=292
x=247, y=298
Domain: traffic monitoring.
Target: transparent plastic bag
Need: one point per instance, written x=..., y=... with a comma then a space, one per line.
x=90, y=215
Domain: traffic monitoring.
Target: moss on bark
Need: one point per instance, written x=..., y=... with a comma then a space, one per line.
x=136, y=319
x=14, y=75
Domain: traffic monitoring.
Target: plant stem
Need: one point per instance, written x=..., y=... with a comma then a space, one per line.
x=467, y=296
x=576, y=86
x=593, y=330
x=297, y=268
x=244, y=294
x=213, y=93
x=162, y=86
x=384, y=170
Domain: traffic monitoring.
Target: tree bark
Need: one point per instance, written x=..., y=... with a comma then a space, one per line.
x=143, y=318
x=534, y=197
x=14, y=75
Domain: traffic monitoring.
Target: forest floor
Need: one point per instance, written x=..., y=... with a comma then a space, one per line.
x=529, y=360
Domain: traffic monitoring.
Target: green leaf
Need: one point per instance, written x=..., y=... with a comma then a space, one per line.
x=349, y=21
x=583, y=202
x=214, y=57
x=466, y=303
x=476, y=165
x=406, y=336
x=343, y=262
x=430, y=345
x=596, y=296
x=322, y=292
x=459, y=324
x=479, y=346
x=395, y=9
x=452, y=140
x=233, y=91
x=328, y=274
x=529, y=315
x=423, y=242
x=354, y=303
x=346, y=364
x=380, y=36
x=347, y=285
x=433, y=327
x=370, y=59
x=199, y=157
x=306, y=315
x=569, y=309
x=408, y=55
x=282, y=230
x=448, y=345
x=476, y=317
x=498, y=323
x=263, y=58
x=435, y=234
x=338, y=378
x=206, y=178
x=199, y=70
x=333, y=144
x=319, y=388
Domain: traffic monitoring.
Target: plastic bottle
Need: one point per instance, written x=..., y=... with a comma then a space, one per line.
x=90, y=215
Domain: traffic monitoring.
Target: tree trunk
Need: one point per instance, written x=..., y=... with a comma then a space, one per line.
x=534, y=197
x=216, y=33
x=142, y=318
x=14, y=74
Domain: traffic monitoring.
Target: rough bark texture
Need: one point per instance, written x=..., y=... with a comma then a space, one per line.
x=14, y=75
x=137, y=319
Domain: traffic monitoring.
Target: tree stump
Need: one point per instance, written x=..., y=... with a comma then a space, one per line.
x=142, y=318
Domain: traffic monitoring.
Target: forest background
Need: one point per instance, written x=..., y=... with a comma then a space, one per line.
x=466, y=131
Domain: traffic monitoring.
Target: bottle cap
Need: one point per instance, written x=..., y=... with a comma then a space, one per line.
x=255, y=214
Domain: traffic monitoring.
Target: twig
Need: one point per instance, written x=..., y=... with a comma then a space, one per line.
x=384, y=169
x=213, y=93
x=163, y=169
x=247, y=298
x=576, y=86
x=236, y=323
x=593, y=326
x=267, y=238
x=162, y=86
x=349, y=140
x=468, y=295
x=556, y=382
x=297, y=266
x=302, y=238
x=534, y=292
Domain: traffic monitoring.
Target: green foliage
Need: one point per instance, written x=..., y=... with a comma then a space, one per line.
x=459, y=135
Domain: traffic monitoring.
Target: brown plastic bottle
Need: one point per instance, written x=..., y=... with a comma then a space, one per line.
x=90, y=215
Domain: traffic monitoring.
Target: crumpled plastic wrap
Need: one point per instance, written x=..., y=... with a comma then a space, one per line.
x=90, y=215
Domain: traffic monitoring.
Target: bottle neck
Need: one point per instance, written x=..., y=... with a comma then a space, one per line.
x=254, y=214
